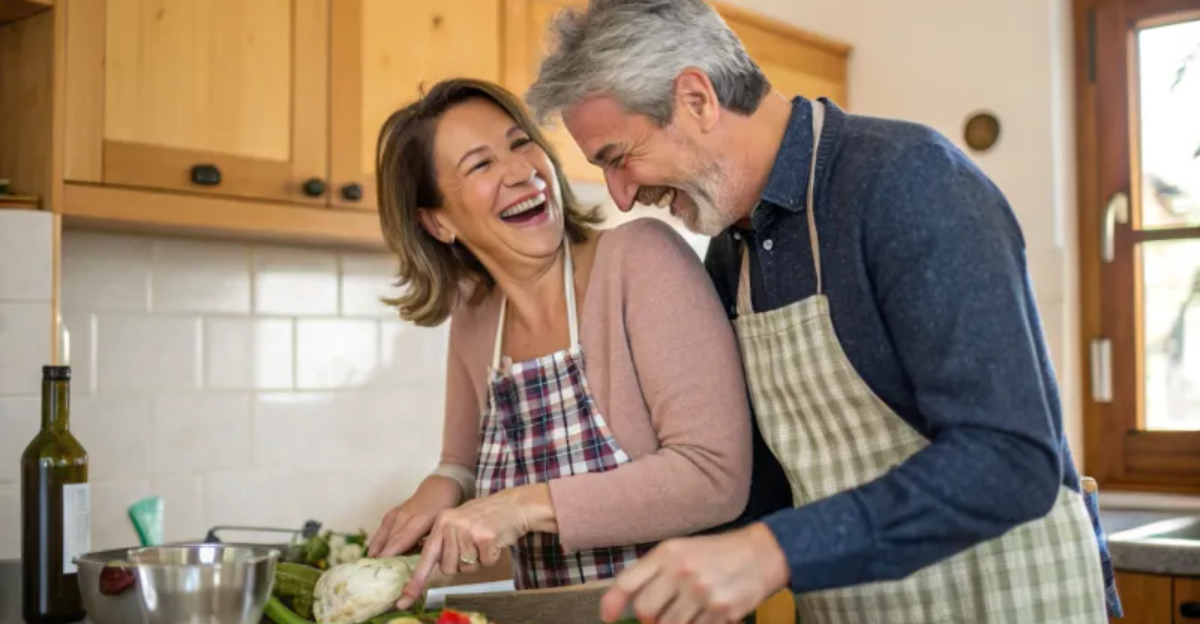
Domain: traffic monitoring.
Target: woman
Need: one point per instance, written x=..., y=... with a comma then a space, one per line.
x=595, y=401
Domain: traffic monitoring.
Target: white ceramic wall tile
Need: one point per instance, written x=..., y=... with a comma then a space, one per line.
x=200, y=276
x=142, y=354
x=20, y=420
x=105, y=272
x=246, y=353
x=116, y=434
x=111, y=526
x=295, y=281
x=183, y=519
x=340, y=431
x=342, y=501
x=205, y=432
x=412, y=354
x=10, y=521
x=365, y=279
x=336, y=353
x=81, y=355
x=24, y=346
x=26, y=255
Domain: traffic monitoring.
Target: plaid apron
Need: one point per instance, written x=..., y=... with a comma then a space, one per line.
x=542, y=423
x=832, y=433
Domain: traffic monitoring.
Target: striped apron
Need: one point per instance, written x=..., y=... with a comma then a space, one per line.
x=831, y=433
x=541, y=423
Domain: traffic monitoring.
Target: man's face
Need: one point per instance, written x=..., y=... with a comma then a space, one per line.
x=643, y=163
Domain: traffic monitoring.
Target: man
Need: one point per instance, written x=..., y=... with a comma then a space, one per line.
x=892, y=345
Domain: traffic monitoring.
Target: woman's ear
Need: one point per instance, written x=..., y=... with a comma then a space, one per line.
x=431, y=220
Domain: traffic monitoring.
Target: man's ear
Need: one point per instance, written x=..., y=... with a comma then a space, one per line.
x=431, y=220
x=697, y=98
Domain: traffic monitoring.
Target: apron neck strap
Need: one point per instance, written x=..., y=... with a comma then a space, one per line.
x=572, y=316
x=744, y=304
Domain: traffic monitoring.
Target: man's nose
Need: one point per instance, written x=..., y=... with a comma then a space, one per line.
x=621, y=191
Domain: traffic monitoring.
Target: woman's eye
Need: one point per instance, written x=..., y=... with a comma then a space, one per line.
x=479, y=166
x=521, y=142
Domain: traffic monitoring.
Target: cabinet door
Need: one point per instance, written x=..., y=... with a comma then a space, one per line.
x=383, y=52
x=1187, y=600
x=220, y=96
x=796, y=62
x=1146, y=598
x=525, y=23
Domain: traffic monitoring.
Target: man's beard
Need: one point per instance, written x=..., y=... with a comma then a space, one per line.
x=705, y=216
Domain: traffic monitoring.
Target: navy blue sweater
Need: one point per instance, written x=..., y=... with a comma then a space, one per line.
x=924, y=267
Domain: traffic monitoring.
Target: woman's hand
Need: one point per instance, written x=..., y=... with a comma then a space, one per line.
x=478, y=532
x=409, y=521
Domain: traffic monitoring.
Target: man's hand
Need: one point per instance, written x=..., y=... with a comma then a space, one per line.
x=713, y=579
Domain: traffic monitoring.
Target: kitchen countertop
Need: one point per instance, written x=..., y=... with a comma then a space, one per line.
x=1133, y=548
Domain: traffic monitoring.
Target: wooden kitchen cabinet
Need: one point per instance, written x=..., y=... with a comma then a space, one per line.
x=225, y=97
x=1157, y=599
x=383, y=52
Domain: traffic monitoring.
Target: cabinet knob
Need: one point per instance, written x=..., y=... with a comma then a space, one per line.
x=314, y=187
x=1190, y=610
x=206, y=175
x=352, y=192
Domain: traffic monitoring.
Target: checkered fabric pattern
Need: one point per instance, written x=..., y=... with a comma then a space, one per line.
x=541, y=423
x=832, y=433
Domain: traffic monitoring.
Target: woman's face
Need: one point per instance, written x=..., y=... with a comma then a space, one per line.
x=500, y=195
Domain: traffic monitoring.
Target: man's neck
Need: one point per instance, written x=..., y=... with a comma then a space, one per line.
x=758, y=139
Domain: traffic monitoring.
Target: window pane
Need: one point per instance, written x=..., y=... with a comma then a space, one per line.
x=1171, y=290
x=1169, y=73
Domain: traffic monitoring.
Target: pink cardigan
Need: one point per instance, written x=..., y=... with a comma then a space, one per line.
x=661, y=358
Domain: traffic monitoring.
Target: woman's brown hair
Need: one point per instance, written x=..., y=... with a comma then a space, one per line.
x=432, y=273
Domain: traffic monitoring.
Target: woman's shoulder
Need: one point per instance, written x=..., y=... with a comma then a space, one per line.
x=646, y=240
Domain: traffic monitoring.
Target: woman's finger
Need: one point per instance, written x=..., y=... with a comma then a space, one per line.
x=383, y=534
x=468, y=552
x=430, y=555
x=450, y=561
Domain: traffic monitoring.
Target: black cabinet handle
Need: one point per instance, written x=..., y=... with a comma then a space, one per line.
x=206, y=175
x=1190, y=610
x=352, y=192
x=314, y=187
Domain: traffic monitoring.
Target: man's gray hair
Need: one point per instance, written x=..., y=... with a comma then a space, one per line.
x=633, y=50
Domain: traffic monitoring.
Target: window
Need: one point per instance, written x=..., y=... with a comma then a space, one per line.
x=1138, y=127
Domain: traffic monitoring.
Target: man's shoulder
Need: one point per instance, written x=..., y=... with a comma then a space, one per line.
x=889, y=140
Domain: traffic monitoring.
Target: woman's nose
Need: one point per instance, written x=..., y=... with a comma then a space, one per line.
x=518, y=171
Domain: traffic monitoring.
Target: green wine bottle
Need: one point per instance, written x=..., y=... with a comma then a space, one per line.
x=55, y=509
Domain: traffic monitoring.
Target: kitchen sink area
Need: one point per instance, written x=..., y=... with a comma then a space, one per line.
x=1154, y=541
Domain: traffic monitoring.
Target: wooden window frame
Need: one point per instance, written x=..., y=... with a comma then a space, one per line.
x=1117, y=452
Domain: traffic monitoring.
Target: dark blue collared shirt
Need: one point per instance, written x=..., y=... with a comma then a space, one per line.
x=924, y=266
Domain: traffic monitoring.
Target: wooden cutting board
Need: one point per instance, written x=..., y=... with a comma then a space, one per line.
x=579, y=604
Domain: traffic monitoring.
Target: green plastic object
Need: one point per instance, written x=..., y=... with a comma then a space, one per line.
x=147, y=518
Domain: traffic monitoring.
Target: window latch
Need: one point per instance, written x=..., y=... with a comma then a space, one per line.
x=1116, y=211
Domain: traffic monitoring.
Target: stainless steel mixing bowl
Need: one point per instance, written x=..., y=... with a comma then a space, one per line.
x=204, y=583
x=122, y=608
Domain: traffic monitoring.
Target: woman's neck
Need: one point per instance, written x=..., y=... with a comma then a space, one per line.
x=535, y=291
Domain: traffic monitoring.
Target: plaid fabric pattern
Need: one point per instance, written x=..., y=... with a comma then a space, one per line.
x=832, y=433
x=541, y=423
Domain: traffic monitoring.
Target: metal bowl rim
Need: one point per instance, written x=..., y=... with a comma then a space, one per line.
x=257, y=555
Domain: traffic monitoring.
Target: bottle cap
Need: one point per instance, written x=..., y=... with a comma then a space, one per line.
x=56, y=373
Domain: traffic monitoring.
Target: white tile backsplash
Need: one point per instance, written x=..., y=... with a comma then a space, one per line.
x=25, y=329
x=26, y=270
x=147, y=353
x=243, y=384
x=200, y=276
x=297, y=282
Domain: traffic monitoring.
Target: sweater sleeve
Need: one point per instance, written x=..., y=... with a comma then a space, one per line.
x=688, y=367
x=460, y=431
x=946, y=258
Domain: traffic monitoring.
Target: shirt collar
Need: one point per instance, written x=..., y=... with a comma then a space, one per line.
x=787, y=184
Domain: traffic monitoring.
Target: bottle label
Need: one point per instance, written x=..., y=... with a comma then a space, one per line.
x=77, y=516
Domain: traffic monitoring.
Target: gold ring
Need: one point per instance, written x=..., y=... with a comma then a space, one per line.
x=467, y=561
